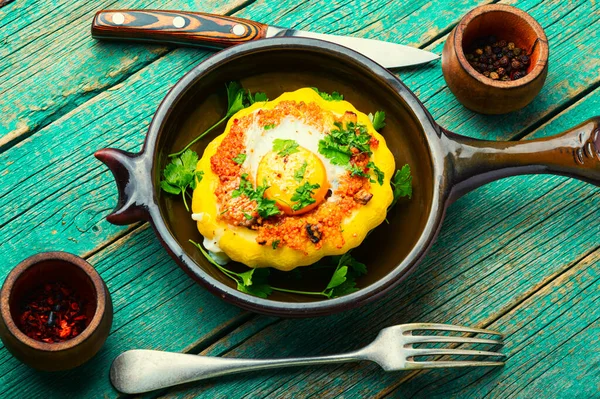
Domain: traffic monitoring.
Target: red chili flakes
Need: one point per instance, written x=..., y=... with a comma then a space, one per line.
x=52, y=314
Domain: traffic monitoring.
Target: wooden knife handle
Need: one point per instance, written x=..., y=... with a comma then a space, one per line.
x=177, y=27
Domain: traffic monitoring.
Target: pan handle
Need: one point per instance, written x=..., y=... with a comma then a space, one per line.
x=135, y=192
x=573, y=153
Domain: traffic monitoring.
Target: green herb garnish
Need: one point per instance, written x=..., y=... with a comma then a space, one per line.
x=378, y=172
x=285, y=147
x=378, y=120
x=258, y=97
x=335, y=96
x=343, y=279
x=237, y=99
x=402, y=184
x=275, y=244
x=253, y=281
x=266, y=207
x=247, y=216
x=304, y=196
x=239, y=158
x=299, y=174
x=269, y=127
x=180, y=174
x=337, y=145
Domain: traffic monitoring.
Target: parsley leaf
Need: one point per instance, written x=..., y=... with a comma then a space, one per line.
x=402, y=184
x=266, y=207
x=285, y=147
x=180, y=174
x=275, y=244
x=239, y=158
x=378, y=172
x=253, y=281
x=237, y=99
x=378, y=120
x=269, y=127
x=338, y=144
x=247, y=215
x=259, y=96
x=336, y=153
x=303, y=196
x=299, y=174
x=335, y=96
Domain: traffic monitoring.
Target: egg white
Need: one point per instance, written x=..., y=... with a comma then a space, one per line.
x=259, y=142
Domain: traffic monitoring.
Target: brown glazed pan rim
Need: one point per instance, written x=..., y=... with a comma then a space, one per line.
x=267, y=306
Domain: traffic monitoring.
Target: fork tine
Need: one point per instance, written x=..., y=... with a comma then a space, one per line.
x=423, y=339
x=447, y=327
x=442, y=364
x=441, y=351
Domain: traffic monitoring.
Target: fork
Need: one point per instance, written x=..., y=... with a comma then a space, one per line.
x=138, y=371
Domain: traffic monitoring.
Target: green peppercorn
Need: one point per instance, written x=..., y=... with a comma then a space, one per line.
x=511, y=46
x=494, y=75
x=517, y=51
x=486, y=74
x=505, y=78
x=479, y=51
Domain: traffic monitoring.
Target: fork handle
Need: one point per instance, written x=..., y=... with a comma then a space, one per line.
x=176, y=27
x=138, y=371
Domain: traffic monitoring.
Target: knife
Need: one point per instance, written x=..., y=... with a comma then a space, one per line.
x=217, y=31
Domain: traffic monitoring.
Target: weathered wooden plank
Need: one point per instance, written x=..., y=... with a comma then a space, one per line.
x=573, y=43
x=156, y=306
x=551, y=338
x=54, y=48
x=131, y=137
x=514, y=254
x=48, y=44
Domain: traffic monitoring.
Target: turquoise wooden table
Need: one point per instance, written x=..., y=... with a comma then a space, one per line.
x=521, y=255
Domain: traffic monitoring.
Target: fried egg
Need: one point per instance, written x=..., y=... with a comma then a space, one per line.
x=272, y=197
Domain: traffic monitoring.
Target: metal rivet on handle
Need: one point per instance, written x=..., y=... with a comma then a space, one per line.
x=239, y=30
x=178, y=22
x=118, y=18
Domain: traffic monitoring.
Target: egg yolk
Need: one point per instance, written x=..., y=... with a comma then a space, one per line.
x=288, y=177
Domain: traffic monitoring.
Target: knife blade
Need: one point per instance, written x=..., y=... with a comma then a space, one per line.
x=217, y=31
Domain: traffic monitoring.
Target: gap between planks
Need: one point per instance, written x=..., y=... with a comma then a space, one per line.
x=389, y=391
x=16, y=137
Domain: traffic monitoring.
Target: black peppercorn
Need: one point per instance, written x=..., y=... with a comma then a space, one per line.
x=498, y=59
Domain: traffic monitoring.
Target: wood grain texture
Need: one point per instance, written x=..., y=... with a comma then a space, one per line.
x=177, y=27
x=529, y=230
x=48, y=45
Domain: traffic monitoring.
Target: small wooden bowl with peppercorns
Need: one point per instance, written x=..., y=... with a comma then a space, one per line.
x=496, y=59
x=55, y=311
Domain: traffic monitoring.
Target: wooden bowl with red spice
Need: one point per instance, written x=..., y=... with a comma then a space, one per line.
x=464, y=75
x=55, y=311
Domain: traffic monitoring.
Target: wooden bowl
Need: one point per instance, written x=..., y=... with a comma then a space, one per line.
x=478, y=92
x=74, y=272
